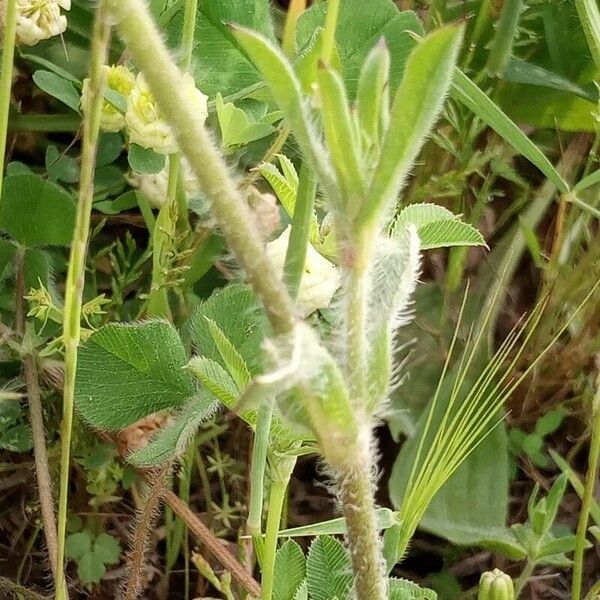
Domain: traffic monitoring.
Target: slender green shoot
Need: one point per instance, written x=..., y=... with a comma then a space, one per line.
x=8, y=55
x=588, y=497
x=333, y=9
x=76, y=270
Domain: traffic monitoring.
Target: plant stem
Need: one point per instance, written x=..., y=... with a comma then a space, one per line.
x=8, y=55
x=295, y=257
x=588, y=496
x=36, y=417
x=502, y=45
x=355, y=479
x=165, y=81
x=276, y=500
x=521, y=582
x=333, y=9
x=46, y=123
x=288, y=39
x=76, y=271
x=257, y=475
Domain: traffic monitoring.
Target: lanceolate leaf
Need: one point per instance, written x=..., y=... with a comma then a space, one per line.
x=589, y=15
x=467, y=93
x=285, y=87
x=126, y=372
x=328, y=570
x=215, y=379
x=402, y=589
x=417, y=104
x=36, y=212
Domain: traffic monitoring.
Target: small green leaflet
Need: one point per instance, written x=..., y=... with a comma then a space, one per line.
x=328, y=570
x=143, y=160
x=290, y=571
x=36, y=212
x=58, y=87
x=128, y=371
x=437, y=227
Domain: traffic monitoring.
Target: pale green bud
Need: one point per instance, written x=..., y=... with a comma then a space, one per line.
x=496, y=585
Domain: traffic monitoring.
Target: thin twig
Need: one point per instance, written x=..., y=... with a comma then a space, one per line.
x=36, y=417
x=213, y=544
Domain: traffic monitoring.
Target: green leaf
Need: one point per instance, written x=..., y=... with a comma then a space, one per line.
x=90, y=569
x=78, y=544
x=341, y=134
x=107, y=549
x=358, y=31
x=172, y=441
x=242, y=321
x=437, y=227
x=520, y=71
x=219, y=64
x=110, y=146
x=586, y=182
x=58, y=87
x=589, y=15
x=36, y=212
x=467, y=93
x=114, y=206
x=385, y=518
x=144, y=160
x=444, y=234
x=328, y=570
x=290, y=571
x=287, y=93
x=126, y=372
x=284, y=187
x=61, y=167
x=415, y=108
x=549, y=422
x=373, y=93
x=576, y=483
x=215, y=379
x=238, y=128
x=402, y=589
x=233, y=361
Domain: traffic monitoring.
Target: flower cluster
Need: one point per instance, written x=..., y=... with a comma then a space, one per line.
x=139, y=114
x=38, y=19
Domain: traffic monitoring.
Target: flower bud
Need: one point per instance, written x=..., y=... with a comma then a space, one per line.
x=144, y=120
x=496, y=585
x=119, y=79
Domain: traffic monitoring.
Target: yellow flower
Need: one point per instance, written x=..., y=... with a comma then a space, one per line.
x=38, y=19
x=119, y=79
x=145, y=123
x=320, y=279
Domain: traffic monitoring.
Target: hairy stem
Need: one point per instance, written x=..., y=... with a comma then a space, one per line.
x=526, y=573
x=356, y=483
x=76, y=271
x=587, y=499
x=145, y=520
x=145, y=44
x=8, y=55
x=36, y=417
x=333, y=10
